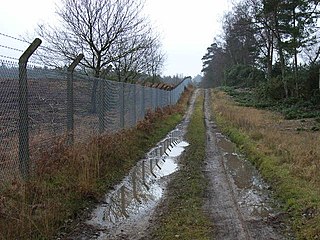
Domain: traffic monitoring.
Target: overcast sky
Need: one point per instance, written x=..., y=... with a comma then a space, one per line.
x=187, y=27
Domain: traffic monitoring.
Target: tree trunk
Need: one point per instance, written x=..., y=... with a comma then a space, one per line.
x=283, y=72
x=270, y=55
x=295, y=55
x=296, y=72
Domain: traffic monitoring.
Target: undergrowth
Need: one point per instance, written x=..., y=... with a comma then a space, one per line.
x=291, y=108
x=68, y=180
x=184, y=217
x=288, y=160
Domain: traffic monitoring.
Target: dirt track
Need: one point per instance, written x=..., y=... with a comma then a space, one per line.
x=237, y=200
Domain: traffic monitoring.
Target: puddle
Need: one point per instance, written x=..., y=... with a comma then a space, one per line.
x=250, y=187
x=127, y=211
x=142, y=189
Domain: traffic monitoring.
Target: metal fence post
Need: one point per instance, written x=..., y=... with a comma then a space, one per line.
x=122, y=104
x=151, y=99
x=134, y=104
x=143, y=107
x=24, y=154
x=102, y=105
x=157, y=97
x=70, y=103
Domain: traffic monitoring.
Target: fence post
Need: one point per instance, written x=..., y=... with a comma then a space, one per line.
x=157, y=98
x=24, y=154
x=151, y=99
x=122, y=104
x=70, y=103
x=102, y=103
x=134, y=104
x=143, y=107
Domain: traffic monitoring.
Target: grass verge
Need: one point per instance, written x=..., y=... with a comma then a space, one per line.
x=68, y=180
x=183, y=217
x=288, y=159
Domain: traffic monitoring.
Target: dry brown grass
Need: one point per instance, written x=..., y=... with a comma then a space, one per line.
x=288, y=157
x=66, y=180
x=299, y=149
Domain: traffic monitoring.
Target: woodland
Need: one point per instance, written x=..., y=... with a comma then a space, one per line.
x=268, y=56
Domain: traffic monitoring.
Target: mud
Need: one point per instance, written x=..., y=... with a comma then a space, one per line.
x=134, y=200
x=238, y=201
x=126, y=212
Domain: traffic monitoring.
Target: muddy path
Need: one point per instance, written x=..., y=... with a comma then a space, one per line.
x=238, y=200
x=129, y=211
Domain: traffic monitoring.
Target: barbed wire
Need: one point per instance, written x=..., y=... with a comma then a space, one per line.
x=30, y=63
x=11, y=48
x=43, y=55
x=15, y=38
x=7, y=57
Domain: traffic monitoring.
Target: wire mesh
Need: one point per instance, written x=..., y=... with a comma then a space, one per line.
x=9, y=117
x=118, y=105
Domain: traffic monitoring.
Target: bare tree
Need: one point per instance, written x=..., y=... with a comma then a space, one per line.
x=96, y=28
x=132, y=65
x=154, y=59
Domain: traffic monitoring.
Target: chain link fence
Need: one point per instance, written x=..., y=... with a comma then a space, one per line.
x=52, y=114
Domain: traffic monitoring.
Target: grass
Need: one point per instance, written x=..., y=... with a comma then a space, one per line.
x=288, y=159
x=183, y=216
x=69, y=180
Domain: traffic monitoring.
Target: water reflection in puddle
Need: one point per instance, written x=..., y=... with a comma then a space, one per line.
x=143, y=187
x=252, y=190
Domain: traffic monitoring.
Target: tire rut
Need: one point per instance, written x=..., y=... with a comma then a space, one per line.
x=231, y=219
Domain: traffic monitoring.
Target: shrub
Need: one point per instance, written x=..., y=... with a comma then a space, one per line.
x=243, y=76
x=272, y=89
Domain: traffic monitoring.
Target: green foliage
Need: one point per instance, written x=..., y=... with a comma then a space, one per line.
x=291, y=108
x=270, y=90
x=243, y=76
x=270, y=34
x=213, y=66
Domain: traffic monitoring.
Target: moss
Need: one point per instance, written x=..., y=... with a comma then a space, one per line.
x=184, y=217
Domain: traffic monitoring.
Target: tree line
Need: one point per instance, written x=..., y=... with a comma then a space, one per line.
x=269, y=45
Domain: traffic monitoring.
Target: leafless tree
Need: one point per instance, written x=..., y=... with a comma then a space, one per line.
x=103, y=30
x=154, y=60
x=144, y=60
